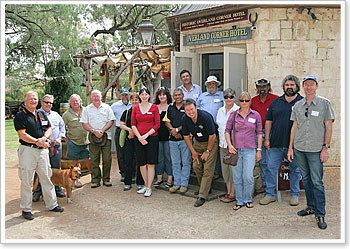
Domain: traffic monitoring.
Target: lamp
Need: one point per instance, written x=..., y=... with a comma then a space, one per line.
x=313, y=16
x=146, y=30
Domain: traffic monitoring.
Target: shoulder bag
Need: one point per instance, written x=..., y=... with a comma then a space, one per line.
x=122, y=135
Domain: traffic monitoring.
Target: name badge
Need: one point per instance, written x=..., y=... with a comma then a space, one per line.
x=217, y=100
x=195, y=95
x=182, y=110
x=149, y=112
x=44, y=122
x=251, y=120
x=199, y=134
x=315, y=113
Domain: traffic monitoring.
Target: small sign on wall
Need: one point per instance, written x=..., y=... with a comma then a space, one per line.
x=218, y=36
x=284, y=177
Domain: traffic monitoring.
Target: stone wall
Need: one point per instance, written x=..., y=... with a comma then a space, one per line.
x=289, y=42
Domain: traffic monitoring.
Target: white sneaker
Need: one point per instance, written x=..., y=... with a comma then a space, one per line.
x=148, y=192
x=142, y=190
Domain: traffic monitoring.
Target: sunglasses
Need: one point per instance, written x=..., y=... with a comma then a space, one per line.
x=48, y=102
x=244, y=100
x=229, y=97
x=307, y=112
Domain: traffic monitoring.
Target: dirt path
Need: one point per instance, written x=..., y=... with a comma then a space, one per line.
x=111, y=213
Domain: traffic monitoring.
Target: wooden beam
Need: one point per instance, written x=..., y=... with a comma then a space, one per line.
x=121, y=71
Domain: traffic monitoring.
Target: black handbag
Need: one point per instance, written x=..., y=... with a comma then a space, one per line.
x=229, y=158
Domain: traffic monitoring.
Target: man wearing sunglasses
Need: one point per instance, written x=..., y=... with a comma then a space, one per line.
x=55, y=150
x=261, y=103
x=277, y=133
x=310, y=139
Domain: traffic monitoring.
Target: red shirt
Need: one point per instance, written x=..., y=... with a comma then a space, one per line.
x=147, y=121
x=262, y=107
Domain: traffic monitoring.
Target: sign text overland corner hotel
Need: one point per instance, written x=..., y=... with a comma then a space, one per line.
x=218, y=36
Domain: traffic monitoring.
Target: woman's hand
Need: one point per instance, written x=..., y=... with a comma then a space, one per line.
x=232, y=149
x=258, y=156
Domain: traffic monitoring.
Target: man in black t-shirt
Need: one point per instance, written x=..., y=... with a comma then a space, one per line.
x=180, y=153
x=205, y=147
x=34, y=129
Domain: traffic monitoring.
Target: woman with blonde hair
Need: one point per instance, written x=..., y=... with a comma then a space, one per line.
x=246, y=123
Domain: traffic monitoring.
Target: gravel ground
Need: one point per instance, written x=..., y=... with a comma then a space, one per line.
x=111, y=213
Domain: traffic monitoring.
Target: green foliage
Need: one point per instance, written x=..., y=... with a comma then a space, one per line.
x=67, y=80
x=11, y=142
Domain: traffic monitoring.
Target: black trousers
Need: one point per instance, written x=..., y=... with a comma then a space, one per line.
x=120, y=152
x=130, y=163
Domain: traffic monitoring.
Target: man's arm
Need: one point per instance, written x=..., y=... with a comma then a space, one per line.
x=211, y=141
x=291, y=141
x=268, y=125
x=190, y=146
x=327, y=140
x=41, y=142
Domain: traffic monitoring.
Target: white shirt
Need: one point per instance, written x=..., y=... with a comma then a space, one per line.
x=97, y=118
x=118, y=108
x=221, y=120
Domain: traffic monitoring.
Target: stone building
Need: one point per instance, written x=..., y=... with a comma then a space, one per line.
x=243, y=43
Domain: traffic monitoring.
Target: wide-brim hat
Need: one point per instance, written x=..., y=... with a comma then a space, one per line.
x=101, y=141
x=212, y=79
x=262, y=82
x=310, y=77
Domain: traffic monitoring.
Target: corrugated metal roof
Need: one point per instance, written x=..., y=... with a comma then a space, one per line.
x=187, y=8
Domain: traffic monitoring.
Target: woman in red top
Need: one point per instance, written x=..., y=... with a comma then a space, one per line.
x=145, y=122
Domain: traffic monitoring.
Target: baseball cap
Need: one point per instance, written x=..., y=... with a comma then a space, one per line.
x=124, y=91
x=311, y=77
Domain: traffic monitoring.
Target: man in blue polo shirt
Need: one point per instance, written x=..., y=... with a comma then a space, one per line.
x=205, y=146
x=277, y=134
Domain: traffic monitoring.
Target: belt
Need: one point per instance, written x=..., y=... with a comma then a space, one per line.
x=33, y=146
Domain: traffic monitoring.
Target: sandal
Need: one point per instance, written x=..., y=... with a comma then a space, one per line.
x=157, y=184
x=227, y=199
x=249, y=205
x=168, y=185
x=237, y=207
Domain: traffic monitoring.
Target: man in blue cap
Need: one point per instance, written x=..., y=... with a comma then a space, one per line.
x=118, y=108
x=310, y=139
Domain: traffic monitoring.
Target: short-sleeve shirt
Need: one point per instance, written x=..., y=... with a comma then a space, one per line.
x=311, y=130
x=175, y=115
x=202, y=129
x=34, y=125
x=126, y=119
x=279, y=113
x=211, y=102
x=118, y=108
x=97, y=118
x=193, y=93
x=246, y=128
x=261, y=107
x=75, y=131
x=145, y=122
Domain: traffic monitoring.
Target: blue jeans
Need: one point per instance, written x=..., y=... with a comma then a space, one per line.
x=180, y=153
x=164, y=160
x=276, y=155
x=311, y=169
x=263, y=160
x=243, y=177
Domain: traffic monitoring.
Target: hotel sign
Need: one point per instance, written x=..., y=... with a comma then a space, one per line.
x=218, y=36
x=215, y=20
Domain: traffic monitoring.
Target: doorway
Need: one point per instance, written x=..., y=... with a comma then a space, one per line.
x=213, y=65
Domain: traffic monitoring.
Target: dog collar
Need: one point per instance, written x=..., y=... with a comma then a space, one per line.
x=70, y=175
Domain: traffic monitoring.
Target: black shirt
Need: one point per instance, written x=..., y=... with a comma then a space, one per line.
x=202, y=129
x=175, y=115
x=128, y=119
x=34, y=125
x=279, y=113
x=163, y=132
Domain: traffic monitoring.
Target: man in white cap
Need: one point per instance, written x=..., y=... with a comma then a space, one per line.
x=118, y=108
x=211, y=101
x=310, y=139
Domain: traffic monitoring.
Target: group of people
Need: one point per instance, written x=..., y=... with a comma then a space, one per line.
x=197, y=128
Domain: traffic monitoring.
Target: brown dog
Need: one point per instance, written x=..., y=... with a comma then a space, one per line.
x=65, y=178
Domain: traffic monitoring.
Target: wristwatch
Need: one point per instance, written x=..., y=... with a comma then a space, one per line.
x=207, y=151
x=92, y=130
x=327, y=145
x=259, y=149
x=177, y=129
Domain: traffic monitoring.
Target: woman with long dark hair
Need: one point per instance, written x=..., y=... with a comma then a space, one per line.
x=145, y=122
